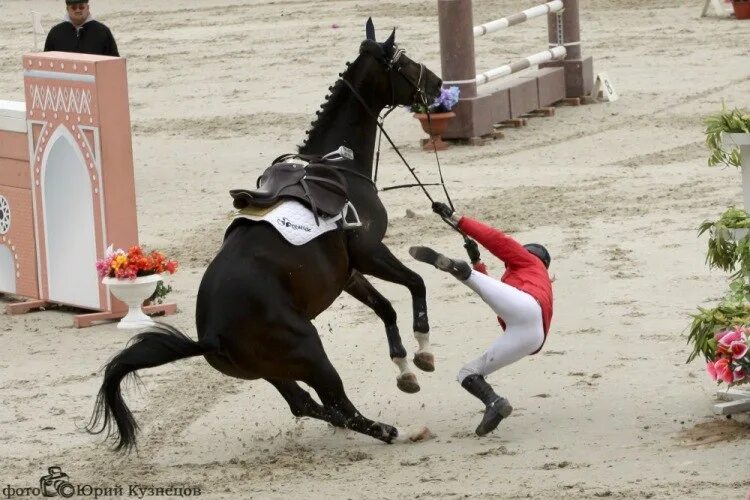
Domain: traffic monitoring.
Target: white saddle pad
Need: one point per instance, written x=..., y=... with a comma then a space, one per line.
x=294, y=221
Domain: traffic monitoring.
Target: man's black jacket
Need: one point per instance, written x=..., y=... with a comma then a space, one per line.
x=91, y=38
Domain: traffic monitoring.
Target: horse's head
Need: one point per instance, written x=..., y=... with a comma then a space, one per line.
x=401, y=80
x=381, y=76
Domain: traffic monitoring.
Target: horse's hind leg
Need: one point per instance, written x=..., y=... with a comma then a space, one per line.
x=327, y=383
x=303, y=405
x=315, y=369
x=362, y=290
x=378, y=261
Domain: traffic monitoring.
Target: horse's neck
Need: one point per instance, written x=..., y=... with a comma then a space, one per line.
x=350, y=125
x=343, y=121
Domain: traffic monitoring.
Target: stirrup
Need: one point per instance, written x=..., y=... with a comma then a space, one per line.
x=342, y=153
x=345, y=223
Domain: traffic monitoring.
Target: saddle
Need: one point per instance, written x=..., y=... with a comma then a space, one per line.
x=320, y=187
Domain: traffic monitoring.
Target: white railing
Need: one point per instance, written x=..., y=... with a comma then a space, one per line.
x=525, y=15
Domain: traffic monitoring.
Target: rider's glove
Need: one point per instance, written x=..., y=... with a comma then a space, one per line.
x=472, y=249
x=442, y=209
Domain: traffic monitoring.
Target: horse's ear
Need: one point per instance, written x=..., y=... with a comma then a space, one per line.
x=370, y=29
x=388, y=44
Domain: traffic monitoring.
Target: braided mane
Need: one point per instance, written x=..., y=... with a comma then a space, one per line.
x=328, y=109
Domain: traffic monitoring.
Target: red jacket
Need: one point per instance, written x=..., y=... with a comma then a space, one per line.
x=523, y=269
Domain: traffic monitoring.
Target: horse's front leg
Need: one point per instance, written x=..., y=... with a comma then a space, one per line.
x=362, y=290
x=378, y=261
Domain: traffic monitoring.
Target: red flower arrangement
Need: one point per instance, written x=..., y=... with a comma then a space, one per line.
x=133, y=263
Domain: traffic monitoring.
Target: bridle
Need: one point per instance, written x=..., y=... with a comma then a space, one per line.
x=420, y=97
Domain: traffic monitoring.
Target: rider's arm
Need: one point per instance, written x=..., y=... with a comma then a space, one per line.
x=480, y=267
x=471, y=249
x=497, y=242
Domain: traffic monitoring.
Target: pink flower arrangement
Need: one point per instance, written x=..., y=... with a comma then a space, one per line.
x=731, y=363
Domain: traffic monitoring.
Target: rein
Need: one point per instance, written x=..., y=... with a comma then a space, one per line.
x=398, y=152
x=377, y=153
x=420, y=94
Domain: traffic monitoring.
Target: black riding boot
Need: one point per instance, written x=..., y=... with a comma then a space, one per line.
x=457, y=268
x=497, y=408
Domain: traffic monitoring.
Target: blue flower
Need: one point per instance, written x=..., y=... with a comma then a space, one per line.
x=443, y=103
x=446, y=100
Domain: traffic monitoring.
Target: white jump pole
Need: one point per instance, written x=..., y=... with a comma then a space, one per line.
x=525, y=15
x=516, y=66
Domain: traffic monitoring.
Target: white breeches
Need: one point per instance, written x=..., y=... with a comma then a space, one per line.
x=524, y=330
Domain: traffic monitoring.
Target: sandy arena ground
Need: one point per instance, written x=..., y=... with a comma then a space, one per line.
x=609, y=409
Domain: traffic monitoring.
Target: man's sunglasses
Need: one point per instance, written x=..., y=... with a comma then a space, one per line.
x=78, y=6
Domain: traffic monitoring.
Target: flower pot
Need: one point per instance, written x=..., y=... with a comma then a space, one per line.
x=741, y=9
x=742, y=141
x=133, y=293
x=435, y=127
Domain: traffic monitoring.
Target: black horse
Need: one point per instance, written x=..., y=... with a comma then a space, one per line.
x=258, y=295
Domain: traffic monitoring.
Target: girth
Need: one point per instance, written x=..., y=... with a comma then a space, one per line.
x=323, y=189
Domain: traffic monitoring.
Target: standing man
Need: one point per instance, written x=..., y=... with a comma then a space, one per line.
x=79, y=32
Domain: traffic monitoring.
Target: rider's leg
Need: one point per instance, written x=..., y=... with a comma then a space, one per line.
x=514, y=306
x=458, y=268
x=524, y=331
x=524, y=334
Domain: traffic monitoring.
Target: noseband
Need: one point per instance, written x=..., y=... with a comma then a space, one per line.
x=420, y=95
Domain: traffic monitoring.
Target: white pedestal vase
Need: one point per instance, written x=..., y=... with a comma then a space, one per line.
x=736, y=400
x=742, y=141
x=133, y=293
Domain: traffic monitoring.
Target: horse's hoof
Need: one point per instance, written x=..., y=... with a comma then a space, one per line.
x=407, y=383
x=425, y=361
x=387, y=433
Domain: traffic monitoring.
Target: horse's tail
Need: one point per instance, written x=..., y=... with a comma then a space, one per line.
x=157, y=346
